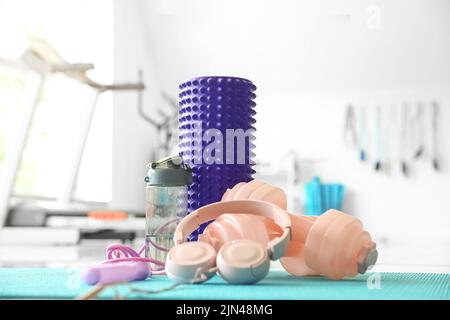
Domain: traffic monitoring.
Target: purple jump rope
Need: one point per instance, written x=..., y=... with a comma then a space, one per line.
x=124, y=264
x=216, y=104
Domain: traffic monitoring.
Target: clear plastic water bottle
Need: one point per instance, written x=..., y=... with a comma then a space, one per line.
x=166, y=203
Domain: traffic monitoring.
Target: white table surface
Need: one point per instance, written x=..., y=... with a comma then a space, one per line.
x=412, y=258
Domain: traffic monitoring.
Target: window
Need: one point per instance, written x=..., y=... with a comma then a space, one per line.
x=81, y=31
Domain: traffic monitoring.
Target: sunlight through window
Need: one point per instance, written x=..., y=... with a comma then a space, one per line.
x=81, y=31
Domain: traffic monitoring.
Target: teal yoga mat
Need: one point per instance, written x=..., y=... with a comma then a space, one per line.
x=41, y=283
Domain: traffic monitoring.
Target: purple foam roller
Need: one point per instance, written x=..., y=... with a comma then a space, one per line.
x=217, y=104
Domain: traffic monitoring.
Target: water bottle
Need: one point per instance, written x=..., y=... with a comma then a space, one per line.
x=166, y=203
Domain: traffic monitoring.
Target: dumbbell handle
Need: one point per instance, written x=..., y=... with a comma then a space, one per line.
x=301, y=225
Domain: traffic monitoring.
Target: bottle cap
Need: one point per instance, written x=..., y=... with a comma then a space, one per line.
x=168, y=172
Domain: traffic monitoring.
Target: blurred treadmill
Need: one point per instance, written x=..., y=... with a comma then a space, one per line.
x=61, y=221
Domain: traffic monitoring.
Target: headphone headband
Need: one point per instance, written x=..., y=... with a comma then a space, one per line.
x=276, y=247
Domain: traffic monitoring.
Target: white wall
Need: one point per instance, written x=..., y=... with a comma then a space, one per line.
x=133, y=138
x=299, y=46
x=308, y=59
x=394, y=208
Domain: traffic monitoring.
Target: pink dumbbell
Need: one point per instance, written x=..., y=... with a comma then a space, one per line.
x=333, y=244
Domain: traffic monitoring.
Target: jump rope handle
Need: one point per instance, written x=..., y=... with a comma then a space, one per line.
x=116, y=273
x=124, y=264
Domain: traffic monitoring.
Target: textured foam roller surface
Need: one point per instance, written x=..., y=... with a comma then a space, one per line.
x=217, y=103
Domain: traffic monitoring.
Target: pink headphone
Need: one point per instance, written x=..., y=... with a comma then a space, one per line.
x=252, y=215
x=241, y=260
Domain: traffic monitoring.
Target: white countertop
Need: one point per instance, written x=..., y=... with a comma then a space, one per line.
x=412, y=258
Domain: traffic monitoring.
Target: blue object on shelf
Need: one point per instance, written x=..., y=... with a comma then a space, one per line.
x=322, y=197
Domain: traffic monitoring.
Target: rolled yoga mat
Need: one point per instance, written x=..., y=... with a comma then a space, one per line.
x=217, y=103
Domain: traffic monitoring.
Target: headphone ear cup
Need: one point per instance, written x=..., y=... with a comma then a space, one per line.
x=243, y=262
x=190, y=261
